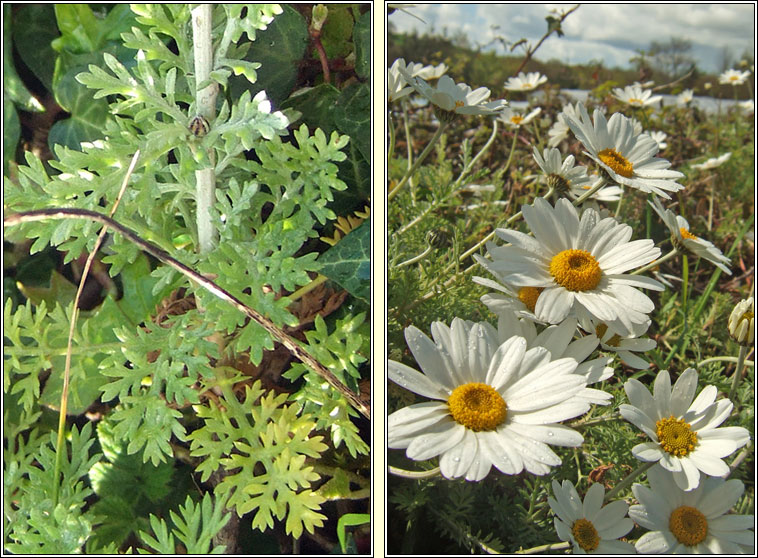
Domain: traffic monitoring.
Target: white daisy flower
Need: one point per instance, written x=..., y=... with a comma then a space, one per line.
x=559, y=341
x=456, y=98
x=525, y=82
x=682, y=237
x=495, y=404
x=685, y=97
x=580, y=264
x=636, y=96
x=430, y=72
x=515, y=118
x=747, y=106
x=561, y=175
x=693, y=522
x=685, y=437
x=559, y=131
x=733, y=77
x=591, y=527
x=660, y=139
x=742, y=322
x=519, y=300
x=627, y=157
x=713, y=162
x=623, y=345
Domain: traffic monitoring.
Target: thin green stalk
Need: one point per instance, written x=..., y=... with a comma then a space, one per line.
x=513, y=149
x=723, y=359
x=738, y=373
x=418, y=162
x=391, y=146
x=621, y=201
x=414, y=474
x=685, y=285
x=624, y=484
x=415, y=259
x=587, y=194
x=655, y=263
x=542, y=549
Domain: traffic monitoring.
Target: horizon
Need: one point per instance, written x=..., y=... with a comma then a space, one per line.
x=722, y=30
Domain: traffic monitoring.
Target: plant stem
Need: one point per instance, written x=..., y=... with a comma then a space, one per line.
x=724, y=359
x=414, y=474
x=738, y=372
x=418, y=162
x=513, y=149
x=415, y=259
x=655, y=263
x=544, y=548
x=205, y=106
x=628, y=480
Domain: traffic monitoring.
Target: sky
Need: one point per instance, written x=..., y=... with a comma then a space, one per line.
x=609, y=32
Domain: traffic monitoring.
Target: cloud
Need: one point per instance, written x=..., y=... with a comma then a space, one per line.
x=609, y=32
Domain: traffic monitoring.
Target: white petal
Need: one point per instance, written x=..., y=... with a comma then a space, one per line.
x=415, y=381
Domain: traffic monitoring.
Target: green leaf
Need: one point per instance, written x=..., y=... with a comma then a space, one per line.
x=13, y=87
x=349, y=262
x=11, y=132
x=362, y=41
x=352, y=115
x=35, y=28
x=317, y=106
x=337, y=32
x=350, y=520
x=88, y=115
x=79, y=29
x=279, y=49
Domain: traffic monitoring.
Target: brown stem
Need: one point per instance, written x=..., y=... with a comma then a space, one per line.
x=275, y=331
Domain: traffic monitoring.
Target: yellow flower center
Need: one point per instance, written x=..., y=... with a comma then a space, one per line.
x=516, y=119
x=585, y=534
x=734, y=78
x=688, y=525
x=634, y=101
x=675, y=436
x=477, y=406
x=529, y=296
x=459, y=104
x=686, y=234
x=576, y=270
x=746, y=317
x=617, y=162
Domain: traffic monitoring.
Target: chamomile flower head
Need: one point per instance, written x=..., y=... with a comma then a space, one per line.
x=519, y=300
x=591, y=527
x=627, y=157
x=560, y=129
x=682, y=237
x=694, y=522
x=493, y=404
x=397, y=86
x=713, y=162
x=579, y=263
x=562, y=175
x=733, y=77
x=742, y=322
x=748, y=106
x=623, y=345
x=684, y=436
x=685, y=97
x=455, y=98
x=660, y=139
x=560, y=342
x=636, y=96
x=525, y=82
x=516, y=118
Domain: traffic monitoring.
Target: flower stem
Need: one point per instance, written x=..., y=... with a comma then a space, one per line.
x=542, y=549
x=513, y=149
x=414, y=474
x=415, y=259
x=418, y=162
x=624, y=484
x=205, y=106
x=655, y=263
x=587, y=194
x=738, y=372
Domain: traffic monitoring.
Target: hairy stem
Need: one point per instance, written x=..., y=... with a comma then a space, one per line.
x=205, y=106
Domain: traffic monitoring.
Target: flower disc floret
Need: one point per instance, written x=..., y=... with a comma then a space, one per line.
x=617, y=162
x=529, y=296
x=688, y=525
x=585, y=535
x=576, y=270
x=675, y=436
x=477, y=406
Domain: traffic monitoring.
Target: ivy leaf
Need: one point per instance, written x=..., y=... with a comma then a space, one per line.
x=353, y=116
x=362, y=41
x=34, y=29
x=13, y=87
x=349, y=262
x=280, y=48
x=11, y=132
